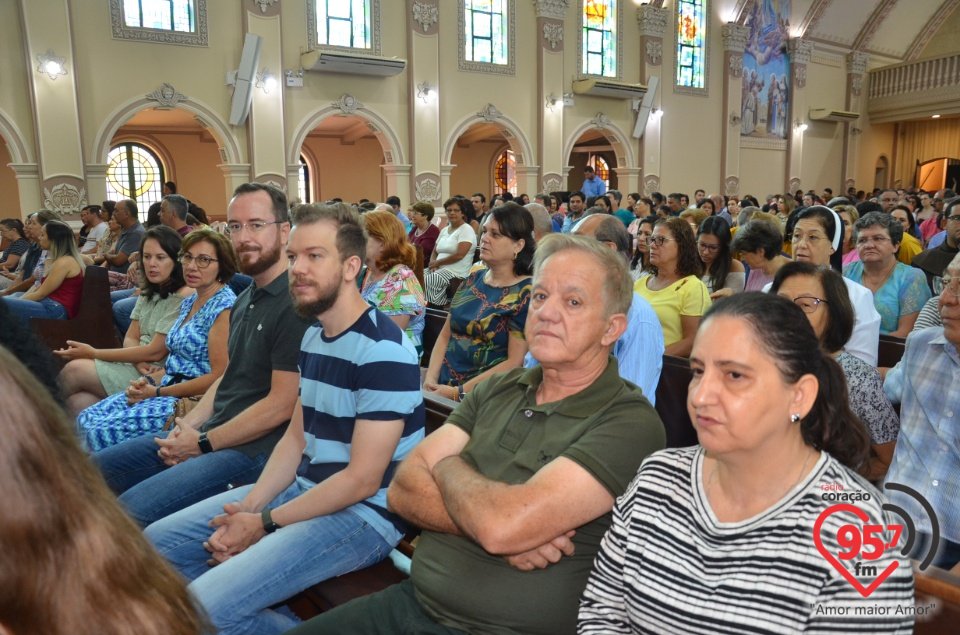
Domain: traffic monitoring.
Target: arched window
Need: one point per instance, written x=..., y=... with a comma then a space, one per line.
x=303, y=185
x=599, y=38
x=505, y=174
x=599, y=165
x=691, y=44
x=134, y=171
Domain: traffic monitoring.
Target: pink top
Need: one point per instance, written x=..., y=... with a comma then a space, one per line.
x=852, y=256
x=929, y=228
x=68, y=294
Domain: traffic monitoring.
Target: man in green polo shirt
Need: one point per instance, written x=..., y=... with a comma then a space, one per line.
x=514, y=492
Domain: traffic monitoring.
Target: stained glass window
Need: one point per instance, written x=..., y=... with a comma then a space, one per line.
x=485, y=28
x=163, y=15
x=344, y=23
x=691, y=31
x=303, y=185
x=600, y=166
x=505, y=174
x=600, y=37
x=134, y=171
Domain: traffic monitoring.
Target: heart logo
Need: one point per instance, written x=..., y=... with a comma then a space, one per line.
x=862, y=515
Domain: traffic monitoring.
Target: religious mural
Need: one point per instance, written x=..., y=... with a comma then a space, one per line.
x=766, y=88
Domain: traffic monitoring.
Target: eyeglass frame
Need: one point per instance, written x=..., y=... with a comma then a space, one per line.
x=810, y=239
x=198, y=260
x=869, y=240
x=816, y=303
x=251, y=226
x=659, y=240
x=710, y=248
x=946, y=282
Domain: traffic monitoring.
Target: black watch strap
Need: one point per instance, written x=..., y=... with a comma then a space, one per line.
x=205, y=446
x=268, y=525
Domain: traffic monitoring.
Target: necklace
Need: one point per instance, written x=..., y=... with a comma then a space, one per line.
x=803, y=469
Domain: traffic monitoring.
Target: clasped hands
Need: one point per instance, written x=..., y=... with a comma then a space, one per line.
x=182, y=443
x=237, y=529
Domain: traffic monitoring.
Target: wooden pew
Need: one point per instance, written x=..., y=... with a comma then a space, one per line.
x=939, y=587
x=94, y=322
x=433, y=324
x=672, y=402
x=890, y=351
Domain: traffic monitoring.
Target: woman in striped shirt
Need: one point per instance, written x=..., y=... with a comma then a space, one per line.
x=728, y=536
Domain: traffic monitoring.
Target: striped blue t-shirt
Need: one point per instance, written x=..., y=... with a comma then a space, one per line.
x=368, y=372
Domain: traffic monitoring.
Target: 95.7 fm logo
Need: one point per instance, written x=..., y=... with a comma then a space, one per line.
x=863, y=543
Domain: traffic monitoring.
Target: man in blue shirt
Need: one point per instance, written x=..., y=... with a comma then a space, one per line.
x=592, y=184
x=319, y=508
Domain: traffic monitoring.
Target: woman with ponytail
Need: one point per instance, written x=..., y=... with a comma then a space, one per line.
x=727, y=536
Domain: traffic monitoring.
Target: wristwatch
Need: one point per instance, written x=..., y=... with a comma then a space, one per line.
x=205, y=446
x=268, y=525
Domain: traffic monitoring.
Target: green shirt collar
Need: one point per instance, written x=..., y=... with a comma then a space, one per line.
x=584, y=403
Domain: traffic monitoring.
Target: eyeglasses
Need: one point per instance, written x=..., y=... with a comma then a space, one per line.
x=866, y=240
x=255, y=227
x=808, y=303
x=955, y=218
x=811, y=239
x=202, y=261
x=704, y=247
x=658, y=240
x=951, y=284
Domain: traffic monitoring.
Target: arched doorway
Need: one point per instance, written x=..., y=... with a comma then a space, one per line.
x=16, y=155
x=602, y=146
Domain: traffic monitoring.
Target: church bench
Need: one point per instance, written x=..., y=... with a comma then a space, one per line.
x=672, y=402
x=890, y=351
x=434, y=319
x=93, y=324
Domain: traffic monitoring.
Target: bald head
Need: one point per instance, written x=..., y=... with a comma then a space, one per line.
x=608, y=230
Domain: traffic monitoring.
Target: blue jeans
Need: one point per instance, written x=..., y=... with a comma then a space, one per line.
x=26, y=309
x=237, y=594
x=122, y=308
x=150, y=490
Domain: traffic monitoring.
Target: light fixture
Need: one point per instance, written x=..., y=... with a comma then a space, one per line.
x=799, y=126
x=934, y=116
x=426, y=92
x=266, y=80
x=657, y=112
x=294, y=78
x=552, y=101
x=51, y=64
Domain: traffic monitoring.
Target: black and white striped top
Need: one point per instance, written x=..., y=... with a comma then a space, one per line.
x=667, y=565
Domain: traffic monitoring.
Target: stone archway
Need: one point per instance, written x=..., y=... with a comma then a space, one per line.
x=623, y=150
x=23, y=165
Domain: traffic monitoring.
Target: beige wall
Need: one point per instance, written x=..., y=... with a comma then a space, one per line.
x=350, y=172
x=947, y=39
x=473, y=172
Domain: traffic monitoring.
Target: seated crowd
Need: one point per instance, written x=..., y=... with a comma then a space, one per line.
x=262, y=426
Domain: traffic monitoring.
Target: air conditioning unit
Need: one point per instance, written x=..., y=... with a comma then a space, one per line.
x=826, y=114
x=336, y=62
x=608, y=88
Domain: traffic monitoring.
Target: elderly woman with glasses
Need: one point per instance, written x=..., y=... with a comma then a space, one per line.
x=196, y=344
x=899, y=291
x=822, y=295
x=673, y=287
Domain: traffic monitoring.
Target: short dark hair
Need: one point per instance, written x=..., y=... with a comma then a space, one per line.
x=880, y=219
x=226, y=256
x=588, y=168
x=516, y=223
x=393, y=201
x=840, y=313
x=170, y=185
x=759, y=235
x=422, y=207
x=351, y=235
x=582, y=196
x=278, y=198
x=483, y=199
x=784, y=334
x=131, y=206
x=178, y=205
x=865, y=207
x=171, y=243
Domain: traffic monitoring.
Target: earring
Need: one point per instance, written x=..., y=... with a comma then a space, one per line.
x=515, y=255
x=794, y=418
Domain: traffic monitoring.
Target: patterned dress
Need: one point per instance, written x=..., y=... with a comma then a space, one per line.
x=111, y=421
x=399, y=293
x=482, y=321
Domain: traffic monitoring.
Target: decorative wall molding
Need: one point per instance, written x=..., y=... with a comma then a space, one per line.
x=64, y=197
x=731, y=186
x=552, y=182
x=426, y=15
x=735, y=37
x=375, y=45
x=929, y=29
x=166, y=96
x=856, y=85
x=735, y=65
x=872, y=25
x=857, y=62
x=653, y=21
x=268, y=5
x=848, y=184
x=800, y=75
x=800, y=51
x=651, y=184
x=510, y=68
x=793, y=185
x=427, y=187
x=735, y=120
x=654, y=50
x=761, y=143
x=814, y=13
x=553, y=34
x=553, y=9
x=601, y=121
x=489, y=113
x=825, y=58
x=347, y=104
x=197, y=38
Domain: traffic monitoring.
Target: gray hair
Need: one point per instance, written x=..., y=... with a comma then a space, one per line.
x=542, y=223
x=178, y=205
x=880, y=219
x=746, y=214
x=611, y=229
x=617, y=284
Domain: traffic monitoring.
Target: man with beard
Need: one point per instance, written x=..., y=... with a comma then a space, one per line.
x=319, y=509
x=227, y=438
